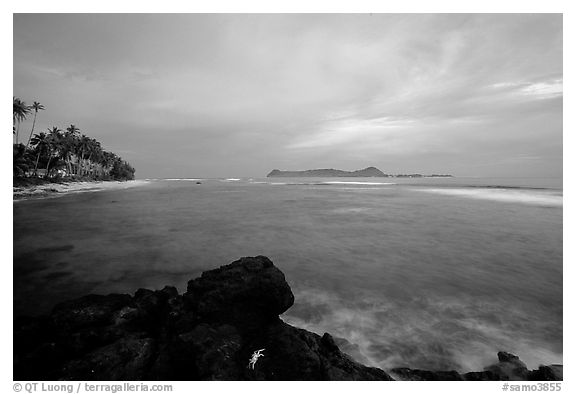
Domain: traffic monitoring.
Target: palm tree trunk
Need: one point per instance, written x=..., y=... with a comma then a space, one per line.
x=90, y=169
x=32, y=131
x=48, y=166
x=68, y=164
x=81, y=163
x=36, y=166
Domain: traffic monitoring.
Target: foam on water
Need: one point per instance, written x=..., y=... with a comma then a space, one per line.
x=357, y=183
x=430, y=333
x=522, y=196
x=183, y=179
x=329, y=183
x=293, y=183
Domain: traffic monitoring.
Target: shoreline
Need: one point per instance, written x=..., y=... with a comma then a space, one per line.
x=55, y=189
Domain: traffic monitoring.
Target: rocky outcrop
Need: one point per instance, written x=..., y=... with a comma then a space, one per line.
x=208, y=333
x=509, y=367
x=211, y=332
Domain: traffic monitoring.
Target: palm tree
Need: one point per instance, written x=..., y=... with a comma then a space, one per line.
x=19, y=112
x=54, y=145
x=55, y=133
x=36, y=107
x=40, y=142
x=21, y=164
x=108, y=159
x=95, y=152
x=19, y=109
x=73, y=130
x=83, y=147
x=69, y=145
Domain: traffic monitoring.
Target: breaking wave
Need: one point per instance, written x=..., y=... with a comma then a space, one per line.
x=357, y=183
x=541, y=197
x=183, y=179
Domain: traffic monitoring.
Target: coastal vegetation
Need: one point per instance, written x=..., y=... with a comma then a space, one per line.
x=56, y=154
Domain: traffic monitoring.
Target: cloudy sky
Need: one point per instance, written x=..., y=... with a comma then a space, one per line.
x=238, y=95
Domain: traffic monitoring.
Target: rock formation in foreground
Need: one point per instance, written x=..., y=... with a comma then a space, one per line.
x=209, y=333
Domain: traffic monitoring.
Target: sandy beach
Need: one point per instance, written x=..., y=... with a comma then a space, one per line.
x=59, y=189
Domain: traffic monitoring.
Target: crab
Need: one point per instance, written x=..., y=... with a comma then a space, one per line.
x=255, y=356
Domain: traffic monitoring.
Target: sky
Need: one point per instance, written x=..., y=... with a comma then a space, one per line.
x=237, y=95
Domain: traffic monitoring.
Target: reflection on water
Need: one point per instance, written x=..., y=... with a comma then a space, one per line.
x=428, y=273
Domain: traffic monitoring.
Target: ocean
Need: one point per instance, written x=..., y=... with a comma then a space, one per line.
x=432, y=273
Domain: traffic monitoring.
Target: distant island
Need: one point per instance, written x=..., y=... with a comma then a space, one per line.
x=368, y=172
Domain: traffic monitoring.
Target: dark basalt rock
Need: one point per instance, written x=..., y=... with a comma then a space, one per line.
x=128, y=358
x=418, y=374
x=546, y=373
x=509, y=367
x=250, y=290
x=89, y=311
x=208, y=333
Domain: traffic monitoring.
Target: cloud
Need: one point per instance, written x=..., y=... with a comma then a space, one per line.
x=548, y=89
x=345, y=89
x=544, y=90
x=349, y=130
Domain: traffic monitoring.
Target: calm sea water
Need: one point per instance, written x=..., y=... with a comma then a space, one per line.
x=426, y=273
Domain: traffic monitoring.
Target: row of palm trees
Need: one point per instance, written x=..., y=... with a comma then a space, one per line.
x=62, y=153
